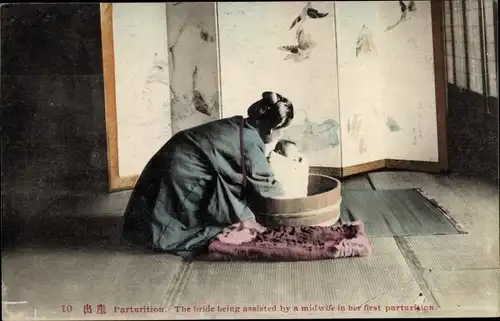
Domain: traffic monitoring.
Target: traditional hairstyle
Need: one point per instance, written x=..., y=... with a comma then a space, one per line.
x=274, y=107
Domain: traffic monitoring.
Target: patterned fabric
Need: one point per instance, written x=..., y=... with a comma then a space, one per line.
x=250, y=241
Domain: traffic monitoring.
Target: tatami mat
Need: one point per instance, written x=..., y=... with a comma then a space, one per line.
x=475, y=206
x=455, y=252
x=48, y=280
x=460, y=270
x=400, y=212
x=302, y=283
x=355, y=182
x=401, y=180
x=71, y=221
x=475, y=203
x=466, y=290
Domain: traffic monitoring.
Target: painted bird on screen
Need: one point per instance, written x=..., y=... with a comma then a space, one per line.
x=404, y=8
x=308, y=12
x=302, y=49
x=198, y=101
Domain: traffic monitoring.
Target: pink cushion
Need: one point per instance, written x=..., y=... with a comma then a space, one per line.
x=249, y=240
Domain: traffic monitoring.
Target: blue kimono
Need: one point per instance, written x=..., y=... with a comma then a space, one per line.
x=192, y=187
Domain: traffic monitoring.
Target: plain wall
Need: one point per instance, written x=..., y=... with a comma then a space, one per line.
x=473, y=87
x=472, y=133
x=52, y=114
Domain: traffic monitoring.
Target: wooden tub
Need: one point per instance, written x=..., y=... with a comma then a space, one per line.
x=321, y=207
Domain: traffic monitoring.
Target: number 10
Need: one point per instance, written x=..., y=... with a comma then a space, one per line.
x=66, y=308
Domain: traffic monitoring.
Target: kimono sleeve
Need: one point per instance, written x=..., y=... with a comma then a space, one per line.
x=260, y=177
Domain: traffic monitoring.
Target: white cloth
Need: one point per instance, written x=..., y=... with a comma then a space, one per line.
x=292, y=175
x=268, y=148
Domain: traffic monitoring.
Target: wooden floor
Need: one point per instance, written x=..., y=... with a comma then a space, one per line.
x=448, y=275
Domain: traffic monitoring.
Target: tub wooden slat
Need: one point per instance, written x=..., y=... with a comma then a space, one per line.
x=323, y=205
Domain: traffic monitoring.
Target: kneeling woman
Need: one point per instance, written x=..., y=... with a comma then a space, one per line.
x=198, y=182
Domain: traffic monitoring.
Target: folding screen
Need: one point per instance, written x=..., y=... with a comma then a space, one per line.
x=137, y=96
x=194, y=73
x=256, y=41
x=367, y=78
x=391, y=76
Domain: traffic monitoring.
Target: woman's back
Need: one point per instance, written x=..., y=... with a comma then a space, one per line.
x=197, y=163
x=194, y=185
